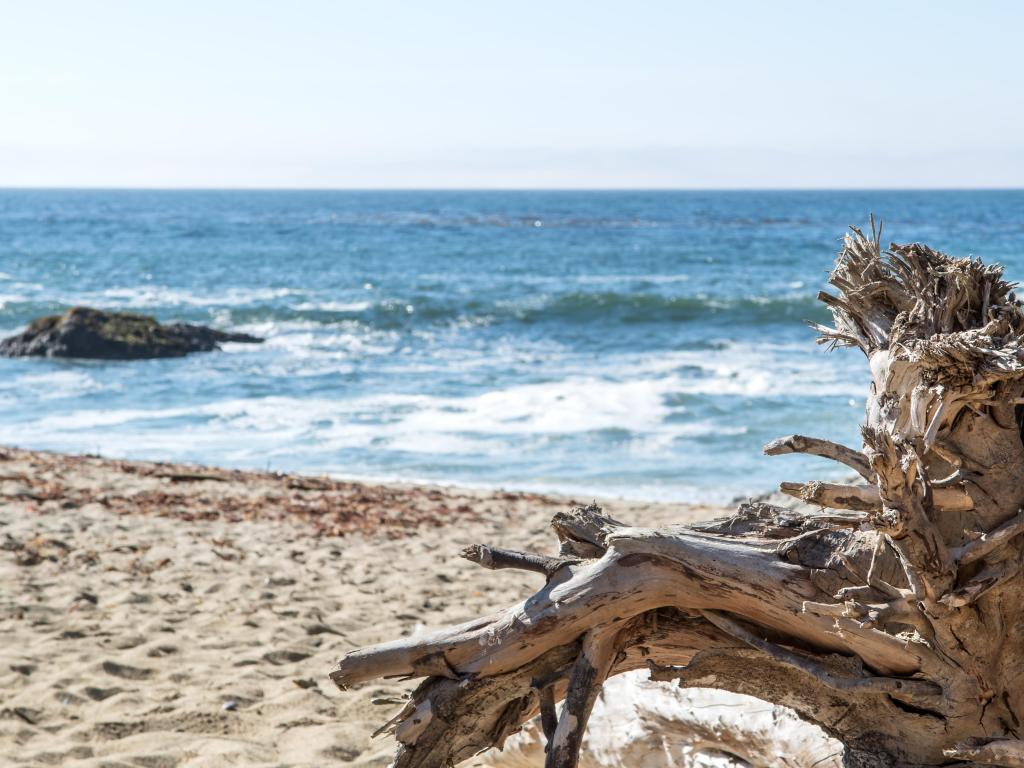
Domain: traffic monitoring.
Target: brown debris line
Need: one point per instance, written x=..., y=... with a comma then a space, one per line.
x=320, y=505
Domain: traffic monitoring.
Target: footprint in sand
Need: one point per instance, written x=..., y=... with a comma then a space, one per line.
x=129, y=641
x=99, y=694
x=125, y=671
x=285, y=657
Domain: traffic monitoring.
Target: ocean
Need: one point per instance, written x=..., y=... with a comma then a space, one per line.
x=635, y=344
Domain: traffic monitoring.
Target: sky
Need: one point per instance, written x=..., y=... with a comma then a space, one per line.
x=556, y=94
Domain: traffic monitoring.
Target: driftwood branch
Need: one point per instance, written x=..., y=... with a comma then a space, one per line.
x=588, y=674
x=861, y=498
x=989, y=577
x=866, y=498
x=989, y=542
x=495, y=559
x=548, y=713
x=814, y=446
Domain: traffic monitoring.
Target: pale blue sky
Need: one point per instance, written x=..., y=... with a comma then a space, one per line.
x=528, y=94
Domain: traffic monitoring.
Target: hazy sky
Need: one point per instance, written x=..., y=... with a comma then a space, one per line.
x=524, y=94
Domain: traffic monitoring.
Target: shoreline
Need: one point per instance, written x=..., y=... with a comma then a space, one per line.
x=578, y=490
x=181, y=616
x=354, y=504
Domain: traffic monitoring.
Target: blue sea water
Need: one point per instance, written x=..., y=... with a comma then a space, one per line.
x=638, y=344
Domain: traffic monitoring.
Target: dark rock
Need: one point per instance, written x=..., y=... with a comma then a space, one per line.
x=92, y=333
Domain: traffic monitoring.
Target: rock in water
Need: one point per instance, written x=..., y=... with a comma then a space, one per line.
x=93, y=333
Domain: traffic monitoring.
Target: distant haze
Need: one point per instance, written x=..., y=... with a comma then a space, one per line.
x=224, y=93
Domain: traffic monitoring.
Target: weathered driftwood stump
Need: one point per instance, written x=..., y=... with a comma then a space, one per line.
x=894, y=618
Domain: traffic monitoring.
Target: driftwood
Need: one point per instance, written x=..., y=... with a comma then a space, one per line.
x=893, y=619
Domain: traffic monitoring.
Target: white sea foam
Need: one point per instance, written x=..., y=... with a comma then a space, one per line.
x=270, y=329
x=566, y=406
x=334, y=306
x=521, y=420
x=430, y=424
x=85, y=420
x=639, y=406
x=53, y=385
x=757, y=370
x=161, y=296
x=340, y=344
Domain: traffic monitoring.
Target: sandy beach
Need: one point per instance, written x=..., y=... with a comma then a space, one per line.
x=165, y=616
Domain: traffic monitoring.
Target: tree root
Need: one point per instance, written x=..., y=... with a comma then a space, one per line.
x=920, y=651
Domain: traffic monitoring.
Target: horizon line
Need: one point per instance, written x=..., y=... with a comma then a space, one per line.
x=121, y=188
